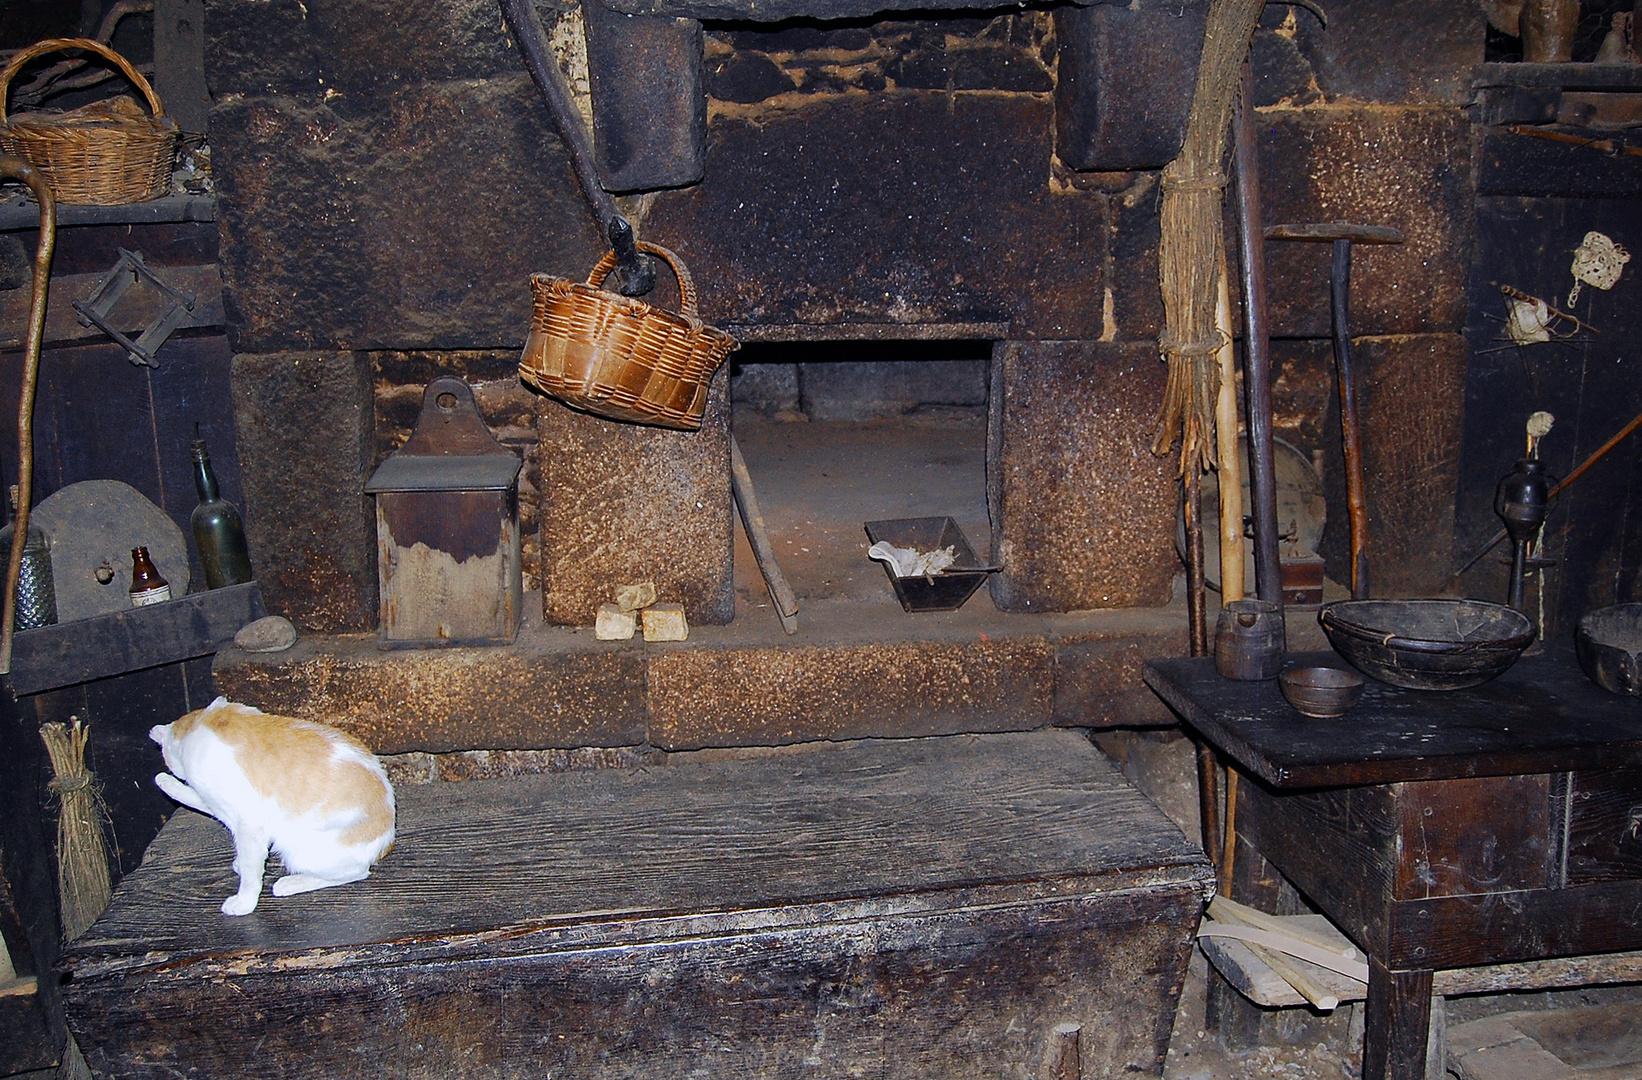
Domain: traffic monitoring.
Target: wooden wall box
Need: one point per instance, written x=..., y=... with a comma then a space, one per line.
x=447, y=529
x=986, y=906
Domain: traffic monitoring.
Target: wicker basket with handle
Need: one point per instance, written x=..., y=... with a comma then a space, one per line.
x=105, y=154
x=618, y=357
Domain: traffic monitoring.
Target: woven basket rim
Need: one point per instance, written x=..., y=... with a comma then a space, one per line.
x=628, y=304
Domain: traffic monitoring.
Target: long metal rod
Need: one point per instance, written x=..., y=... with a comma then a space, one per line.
x=1251, y=248
x=637, y=277
x=16, y=169
x=1351, y=435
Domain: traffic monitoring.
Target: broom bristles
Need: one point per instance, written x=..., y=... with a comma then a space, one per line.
x=1191, y=244
x=84, y=886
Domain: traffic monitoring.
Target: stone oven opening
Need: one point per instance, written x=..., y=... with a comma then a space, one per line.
x=838, y=433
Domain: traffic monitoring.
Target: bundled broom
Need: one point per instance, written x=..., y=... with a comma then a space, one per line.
x=1192, y=247
x=83, y=883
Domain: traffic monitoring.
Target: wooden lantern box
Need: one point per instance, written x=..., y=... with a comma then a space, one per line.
x=447, y=529
x=990, y=906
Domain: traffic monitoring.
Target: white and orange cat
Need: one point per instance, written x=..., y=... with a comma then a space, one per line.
x=312, y=793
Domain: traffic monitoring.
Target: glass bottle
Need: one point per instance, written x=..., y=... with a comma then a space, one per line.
x=218, y=532
x=36, y=589
x=147, y=586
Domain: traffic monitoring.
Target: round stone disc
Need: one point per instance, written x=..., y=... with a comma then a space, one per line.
x=95, y=524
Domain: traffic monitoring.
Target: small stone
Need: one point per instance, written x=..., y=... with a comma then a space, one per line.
x=634, y=597
x=665, y=622
x=613, y=624
x=271, y=634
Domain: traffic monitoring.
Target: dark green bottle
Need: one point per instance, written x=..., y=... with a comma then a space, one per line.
x=218, y=532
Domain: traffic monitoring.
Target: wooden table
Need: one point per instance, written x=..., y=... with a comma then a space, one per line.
x=1439, y=829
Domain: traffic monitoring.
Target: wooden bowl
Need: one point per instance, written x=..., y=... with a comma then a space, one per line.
x=1609, y=645
x=1427, y=644
x=1323, y=692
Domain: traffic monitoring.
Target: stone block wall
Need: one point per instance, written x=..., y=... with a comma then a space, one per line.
x=389, y=180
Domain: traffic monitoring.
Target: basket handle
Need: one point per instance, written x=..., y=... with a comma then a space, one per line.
x=686, y=284
x=40, y=48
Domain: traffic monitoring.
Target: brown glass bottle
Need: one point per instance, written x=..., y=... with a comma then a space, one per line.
x=147, y=586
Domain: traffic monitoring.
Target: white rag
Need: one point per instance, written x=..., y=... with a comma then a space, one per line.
x=909, y=562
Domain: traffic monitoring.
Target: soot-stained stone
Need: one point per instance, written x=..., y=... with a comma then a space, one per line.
x=1097, y=676
x=1136, y=297
x=798, y=694
x=563, y=691
x=905, y=207
x=1083, y=511
x=1411, y=400
x=1395, y=51
x=745, y=78
x=368, y=47
x=978, y=65
x=367, y=232
x=306, y=442
x=1408, y=168
x=623, y=503
x=1124, y=82
x=649, y=99
x=1281, y=71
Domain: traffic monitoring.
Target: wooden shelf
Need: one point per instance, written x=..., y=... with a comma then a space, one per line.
x=21, y=212
x=75, y=652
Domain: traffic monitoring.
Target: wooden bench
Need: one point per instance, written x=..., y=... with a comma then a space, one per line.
x=953, y=907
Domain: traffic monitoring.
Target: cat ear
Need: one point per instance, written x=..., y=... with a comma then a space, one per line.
x=220, y=703
x=158, y=733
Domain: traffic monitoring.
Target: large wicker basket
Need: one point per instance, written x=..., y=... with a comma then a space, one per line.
x=618, y=357
x=105, y=154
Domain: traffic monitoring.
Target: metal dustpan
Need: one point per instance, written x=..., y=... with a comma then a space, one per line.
x=943, y=591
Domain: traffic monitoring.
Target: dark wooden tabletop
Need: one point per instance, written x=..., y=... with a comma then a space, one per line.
x=1542, y=715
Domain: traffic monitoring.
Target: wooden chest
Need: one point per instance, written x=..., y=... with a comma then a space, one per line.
x=997, y=906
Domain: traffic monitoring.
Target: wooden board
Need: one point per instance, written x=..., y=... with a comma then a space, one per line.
x=69, y=653
x=1541, y=716
x=946, y=901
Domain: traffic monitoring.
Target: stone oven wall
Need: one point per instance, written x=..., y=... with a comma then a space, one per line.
x=389, y=179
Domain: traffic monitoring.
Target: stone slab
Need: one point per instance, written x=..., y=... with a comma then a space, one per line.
x=854, y=670
x=356, y=227
x=1083, y=512
x=350, y=48
x=906, y=207
x=1403, y=52
x=563, y=692
x=305, y=428
x=649, y=99
x=1408, y=168
x=1411, y=396
x=1124, y=82
x=797, y=694
x=625, y=502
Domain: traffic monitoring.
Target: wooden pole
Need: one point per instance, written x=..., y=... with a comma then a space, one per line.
x=1226, y=443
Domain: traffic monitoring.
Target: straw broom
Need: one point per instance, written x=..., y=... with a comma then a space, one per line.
x=83, y=884
x=1192, y=245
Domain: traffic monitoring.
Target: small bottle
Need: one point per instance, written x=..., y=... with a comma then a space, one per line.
x=36, y=590
x=218, y=532
x=147, y=586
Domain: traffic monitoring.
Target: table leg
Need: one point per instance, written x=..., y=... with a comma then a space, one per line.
x=1399, y=1015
